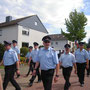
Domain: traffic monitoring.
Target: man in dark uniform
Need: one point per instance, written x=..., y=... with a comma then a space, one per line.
x=33, y=58
x=48, y=59
x=88, y=70
x=82, y=61
x=11, y=63
x=15, y=47
x=67, y=60
x=27, y=60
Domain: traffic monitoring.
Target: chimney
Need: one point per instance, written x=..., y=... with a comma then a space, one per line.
x=8, y=18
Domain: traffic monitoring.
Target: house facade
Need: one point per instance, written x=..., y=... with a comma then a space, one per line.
x=25, y=30
x=58, y=41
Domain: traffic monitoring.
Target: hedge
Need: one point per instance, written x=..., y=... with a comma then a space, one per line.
x=24, y=51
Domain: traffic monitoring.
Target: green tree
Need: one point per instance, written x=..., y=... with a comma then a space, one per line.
x=75, y=26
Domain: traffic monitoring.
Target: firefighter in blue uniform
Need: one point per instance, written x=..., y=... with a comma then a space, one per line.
x=11, y=63
x=48, y=59
x=67, y=60
x=88, y=50
x=27, y=59
x=82, y=62
x=33, y=58
x=15, y=47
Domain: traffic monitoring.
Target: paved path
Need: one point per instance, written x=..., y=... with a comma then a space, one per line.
x=23, y=82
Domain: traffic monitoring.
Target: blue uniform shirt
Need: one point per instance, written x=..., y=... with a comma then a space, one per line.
x=28, y=55
x=10, y=57
x=67, y=60
x=16, y=49
x=81, y=56
x=88, y=55
x=48, y=58
x=33, y=55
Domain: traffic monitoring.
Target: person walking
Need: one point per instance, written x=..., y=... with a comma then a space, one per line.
x=88, y=70
x=15, y=47
x=27, y=60
x=11, y=63
x=33, y=58
x=48, y=60
x=67, y=60
x=82, y=62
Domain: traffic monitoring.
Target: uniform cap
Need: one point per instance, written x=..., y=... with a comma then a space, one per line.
x=81, y=43
x=35, y=44
x=7, y=43
x=46, y=38
x=67, y=46
x=30, y=47
x=14, y=41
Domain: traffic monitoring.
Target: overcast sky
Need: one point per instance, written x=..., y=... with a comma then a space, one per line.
x=51, y=12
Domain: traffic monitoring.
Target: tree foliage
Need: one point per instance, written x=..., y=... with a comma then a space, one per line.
x=75, y=26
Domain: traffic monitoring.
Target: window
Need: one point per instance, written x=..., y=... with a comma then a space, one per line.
x=56, y=43
x=0, y=32
x=36, y=23
x=24, y=44
x=25, y=32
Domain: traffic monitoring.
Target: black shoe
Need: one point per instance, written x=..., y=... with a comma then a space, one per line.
x=18, y=76
x=66, y=87
x=30, y=84
x=69, y=84
x=82, y=85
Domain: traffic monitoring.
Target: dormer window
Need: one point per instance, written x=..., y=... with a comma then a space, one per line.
x=36, y=23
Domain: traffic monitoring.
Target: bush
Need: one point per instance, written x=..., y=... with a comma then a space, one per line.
x=2, y=50
x=22, y=60
x=24, y=51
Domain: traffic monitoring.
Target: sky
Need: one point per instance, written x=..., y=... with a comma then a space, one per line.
x=52, y=13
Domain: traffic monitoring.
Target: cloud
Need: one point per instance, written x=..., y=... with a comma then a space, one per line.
x=51, y=12
x=87, y=29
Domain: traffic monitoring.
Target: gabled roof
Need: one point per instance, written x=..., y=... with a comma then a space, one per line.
x=13, y=22
x=57, y=37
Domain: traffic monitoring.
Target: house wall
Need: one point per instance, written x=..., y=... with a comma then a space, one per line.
x=15, y=33
x=9, y=33
x=34, y=36
x=59, y=45
x=34, y=23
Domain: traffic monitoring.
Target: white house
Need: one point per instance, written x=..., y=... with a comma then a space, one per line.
x=25, y=30
x=58, y=41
